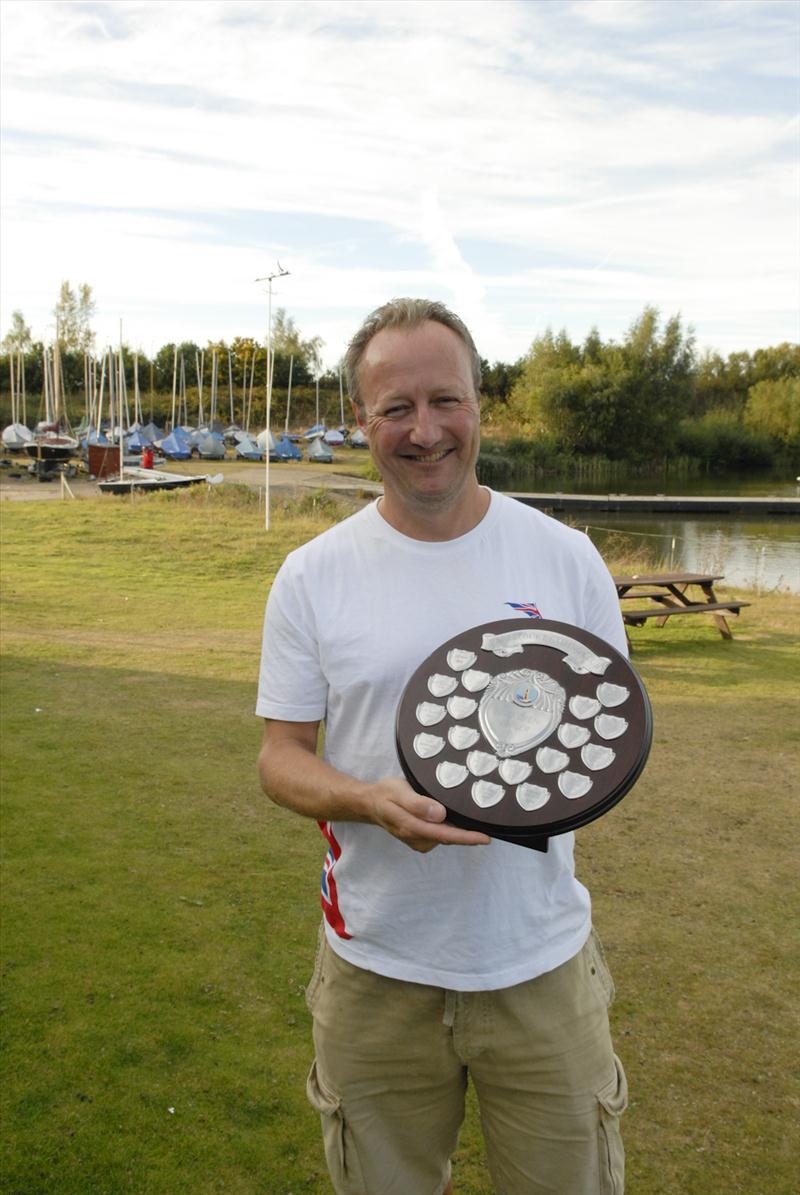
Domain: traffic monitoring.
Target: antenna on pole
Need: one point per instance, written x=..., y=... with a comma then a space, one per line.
x=269, y=279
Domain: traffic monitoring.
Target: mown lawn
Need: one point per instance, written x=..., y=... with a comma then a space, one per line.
x=159, y=915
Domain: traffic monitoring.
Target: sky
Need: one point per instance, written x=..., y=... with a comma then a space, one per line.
x=533, y=163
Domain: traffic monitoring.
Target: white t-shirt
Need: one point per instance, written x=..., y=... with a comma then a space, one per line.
x=350, y=617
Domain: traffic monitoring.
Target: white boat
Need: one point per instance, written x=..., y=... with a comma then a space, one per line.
x=134, y=478
x=211, y=447
x=16, y=436
x=49, y=445
x=320, y=452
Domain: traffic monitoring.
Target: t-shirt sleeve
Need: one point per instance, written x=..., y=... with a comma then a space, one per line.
x=291, y=685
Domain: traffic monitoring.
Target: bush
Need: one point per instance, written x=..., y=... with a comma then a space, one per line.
x=720, y=441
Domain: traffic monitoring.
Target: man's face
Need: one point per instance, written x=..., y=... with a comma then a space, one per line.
x=421, y=416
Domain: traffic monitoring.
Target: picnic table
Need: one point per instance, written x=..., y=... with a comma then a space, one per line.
x=675, y=593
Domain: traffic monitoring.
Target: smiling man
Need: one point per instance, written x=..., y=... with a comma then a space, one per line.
x=422, y=421
x=444, y=956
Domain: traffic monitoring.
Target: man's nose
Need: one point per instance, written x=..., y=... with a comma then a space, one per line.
x=425, y=428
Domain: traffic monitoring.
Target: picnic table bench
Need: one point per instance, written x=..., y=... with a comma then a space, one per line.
x=671, y=594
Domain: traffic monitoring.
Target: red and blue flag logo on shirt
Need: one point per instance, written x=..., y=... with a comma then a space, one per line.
x=525, y=608
x=328, y=894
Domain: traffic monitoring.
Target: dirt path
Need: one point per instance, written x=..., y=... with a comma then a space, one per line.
x=285, y=480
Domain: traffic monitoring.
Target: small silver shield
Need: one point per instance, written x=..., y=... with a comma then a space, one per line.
x=520, y=709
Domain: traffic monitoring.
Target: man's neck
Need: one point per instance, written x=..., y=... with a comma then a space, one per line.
x=436, y=524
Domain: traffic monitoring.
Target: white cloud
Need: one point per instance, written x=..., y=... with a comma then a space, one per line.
x=136, y=129
x=613, y=14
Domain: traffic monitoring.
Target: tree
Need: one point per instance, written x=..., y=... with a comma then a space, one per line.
x=616, y=400
x=724, y=385
x=164, y=360
x=74, y=314
x=532, y=395
x=18, y=338
x=773, y=406
x=497, y=381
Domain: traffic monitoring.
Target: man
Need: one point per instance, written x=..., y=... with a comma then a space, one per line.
x=444, y=954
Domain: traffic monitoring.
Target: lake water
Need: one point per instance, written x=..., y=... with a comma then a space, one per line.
x=760, y=554
x=752, y=554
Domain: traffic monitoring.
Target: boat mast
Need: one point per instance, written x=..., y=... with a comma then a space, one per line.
x=269, y=278
x=230, y=383
x=252, y=387
x=57, y=379
x=122, y=390
x=198, y=364
x=87, y=414
x=289, y=395
x=21, y=405
x=138, y=416
x=183, y=401
x=22, y=380
x=341, y=399
x=214, y=372
x=100, y=397
x=11, y=370
x=174, y=386
x=112, y=405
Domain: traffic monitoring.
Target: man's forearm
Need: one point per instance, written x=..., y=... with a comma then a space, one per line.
x=293, y=775
x=296, y=778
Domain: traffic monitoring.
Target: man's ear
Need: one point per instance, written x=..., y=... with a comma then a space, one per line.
x=359, y=415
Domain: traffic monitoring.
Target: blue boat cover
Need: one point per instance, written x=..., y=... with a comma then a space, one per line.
x=175, y=446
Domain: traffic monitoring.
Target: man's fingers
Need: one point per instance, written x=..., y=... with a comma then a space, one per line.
x=417, y=820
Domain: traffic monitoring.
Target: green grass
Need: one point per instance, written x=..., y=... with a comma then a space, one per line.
x=159, y=914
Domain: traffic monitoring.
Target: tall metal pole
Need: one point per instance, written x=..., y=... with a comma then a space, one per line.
x=269, y=278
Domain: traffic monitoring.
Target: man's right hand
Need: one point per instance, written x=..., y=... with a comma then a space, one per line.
x=416, y=820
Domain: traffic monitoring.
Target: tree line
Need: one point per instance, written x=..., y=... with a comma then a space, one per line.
x=646, y=399
x=650, y=397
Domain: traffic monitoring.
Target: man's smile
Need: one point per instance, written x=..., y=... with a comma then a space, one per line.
x=427, y=458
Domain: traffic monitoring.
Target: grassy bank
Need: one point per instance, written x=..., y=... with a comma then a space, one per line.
x=159, y=915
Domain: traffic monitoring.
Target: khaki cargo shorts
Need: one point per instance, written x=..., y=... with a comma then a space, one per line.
x=392, y=1064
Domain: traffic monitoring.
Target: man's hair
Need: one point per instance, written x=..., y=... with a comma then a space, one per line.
x=406, y=314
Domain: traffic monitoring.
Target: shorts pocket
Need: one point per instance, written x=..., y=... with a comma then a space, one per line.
x=316, y=974
x=613, y=1100
x=598, y=967
x=340, y=1150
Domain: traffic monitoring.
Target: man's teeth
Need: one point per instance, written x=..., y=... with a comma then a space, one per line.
x=432, y=456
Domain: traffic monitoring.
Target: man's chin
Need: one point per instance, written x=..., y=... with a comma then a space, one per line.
x=433, y=497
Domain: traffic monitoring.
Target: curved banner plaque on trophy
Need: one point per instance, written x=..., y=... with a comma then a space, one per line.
x=524, y=729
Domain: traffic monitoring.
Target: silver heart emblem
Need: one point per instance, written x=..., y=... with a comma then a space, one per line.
x=532, y=796
x=427, y=745
x=514, y=770
x=440, y=685
x=462, y=737
x=480, y=763
x=450, y=774
x=486, y=794
x=461, y=707
x=474, y=680
x=597, y=757
x=612, y=695
x=520, y=709
x=584, y=707
x=550, y=760
x=458, y=659
x=574, y=785
x=429, y=714
x=571, y=735
x=609, y=727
